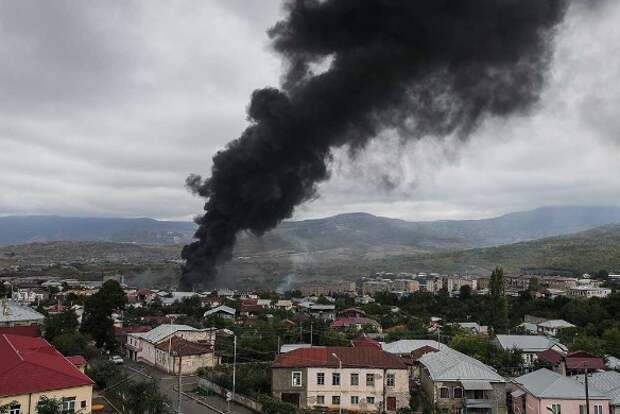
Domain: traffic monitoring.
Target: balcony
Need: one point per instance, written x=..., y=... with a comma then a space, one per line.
x=478, y=403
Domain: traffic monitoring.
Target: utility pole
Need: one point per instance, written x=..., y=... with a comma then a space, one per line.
x=587, y=391
x=311, y=334
x=341, y=378
x=278, y=350
x=234, y=379
x=179, y=385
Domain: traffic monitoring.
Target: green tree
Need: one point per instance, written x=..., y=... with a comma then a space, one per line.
x=611, y=339
x=465, y=292
x=142, y=397
x=104, y=373
x=499, y=304
x=71, y=343
x=97, y=321
x=60, y=324
x=49, y=405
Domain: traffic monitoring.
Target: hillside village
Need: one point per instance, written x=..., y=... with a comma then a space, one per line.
x=409, y=342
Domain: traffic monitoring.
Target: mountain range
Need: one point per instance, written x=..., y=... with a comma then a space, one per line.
x=356, y=231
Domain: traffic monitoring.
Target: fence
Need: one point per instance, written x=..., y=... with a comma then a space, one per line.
x=238, y=398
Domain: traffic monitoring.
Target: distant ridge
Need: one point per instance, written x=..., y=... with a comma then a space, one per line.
x=358, y=231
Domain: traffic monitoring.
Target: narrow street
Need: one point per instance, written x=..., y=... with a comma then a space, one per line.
x=190, y=403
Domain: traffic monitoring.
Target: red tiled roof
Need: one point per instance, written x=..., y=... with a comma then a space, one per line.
x=365, y=341
x=367, y=357
x=582, y=360
x=29, y=365
x=178, y=345
x=353, y=320
x=30, y=330
x=551, y=356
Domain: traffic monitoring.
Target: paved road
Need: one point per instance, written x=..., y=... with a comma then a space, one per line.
x=168, y=387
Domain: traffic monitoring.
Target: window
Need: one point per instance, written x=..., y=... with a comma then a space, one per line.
x=320, y=378
x=355, y=400
x=320, y=400
x=296, y=379
x=355, y=379
x=83, y=404
x=68, y=405
x=458, y=392
x=370, y=400
x=582, y=409
x=390, y=380
x=444, y=392
x=598, y=409
x=556, y=408
x=370, y=380
x=335, y=378
x=335, y=399
x=15, y=409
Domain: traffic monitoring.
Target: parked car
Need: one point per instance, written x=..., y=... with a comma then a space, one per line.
x=117, y=359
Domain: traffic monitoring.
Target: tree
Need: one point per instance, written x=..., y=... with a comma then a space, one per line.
x=465, y=292
x=97, y=321
x=49, y=405
x=60, y=324
x=142, y=397
x=71, y=343
x=499, y=304
x=611, y=339
x=104, y=373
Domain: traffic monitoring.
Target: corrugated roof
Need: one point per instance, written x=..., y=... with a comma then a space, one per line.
x=223, y=308
x=448, y=364
x=354, y=320
x=32, y=365
x=11, y=312
x=548, y=384
x=556, y=323
x=177, y=345
x=156, y=335
x=607, y=382
x=406, y=346
x=362, y=357
x=527, y=343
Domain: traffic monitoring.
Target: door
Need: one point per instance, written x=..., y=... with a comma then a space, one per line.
x=391, y=403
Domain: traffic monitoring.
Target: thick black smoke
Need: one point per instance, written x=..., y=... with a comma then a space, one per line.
x=424, y=67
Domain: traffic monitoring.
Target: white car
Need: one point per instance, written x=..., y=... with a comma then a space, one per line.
x=117, y=360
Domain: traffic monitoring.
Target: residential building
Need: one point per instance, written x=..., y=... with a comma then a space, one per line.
x=608, y=383
x=30, y=296
x=572, y=363
x=357, y=323
x=345, y=287
x=31, y=368
x=474, y=327
x=529, y=346
x=224, y=312
x=174, y=347
x=12, y=314
x=349, y=378
x=545, y=391
x=553, y=326
x=586, y=292
x=457, y=383
x=327, y=312
x=284, y=304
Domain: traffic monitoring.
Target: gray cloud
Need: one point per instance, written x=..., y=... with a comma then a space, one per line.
x=106, y=107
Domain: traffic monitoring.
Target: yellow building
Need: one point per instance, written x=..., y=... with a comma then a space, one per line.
x=31, y=368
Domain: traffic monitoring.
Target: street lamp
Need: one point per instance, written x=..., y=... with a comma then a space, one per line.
x=340, y=373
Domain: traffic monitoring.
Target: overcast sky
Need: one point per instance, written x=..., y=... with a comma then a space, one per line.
x=106, y=107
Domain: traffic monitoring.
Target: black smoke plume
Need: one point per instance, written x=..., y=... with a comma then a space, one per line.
x=422, y=67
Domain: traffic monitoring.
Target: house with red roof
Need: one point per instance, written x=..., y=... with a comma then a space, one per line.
x=360, y=378
x=31, y=368
x=572, y=363
x=357, y=323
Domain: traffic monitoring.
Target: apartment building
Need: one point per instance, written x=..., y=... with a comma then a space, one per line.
x=350, y=378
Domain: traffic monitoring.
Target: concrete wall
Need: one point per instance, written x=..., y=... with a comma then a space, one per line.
x=28, y=402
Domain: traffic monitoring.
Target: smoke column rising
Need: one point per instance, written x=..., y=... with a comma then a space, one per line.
x=423, y=67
